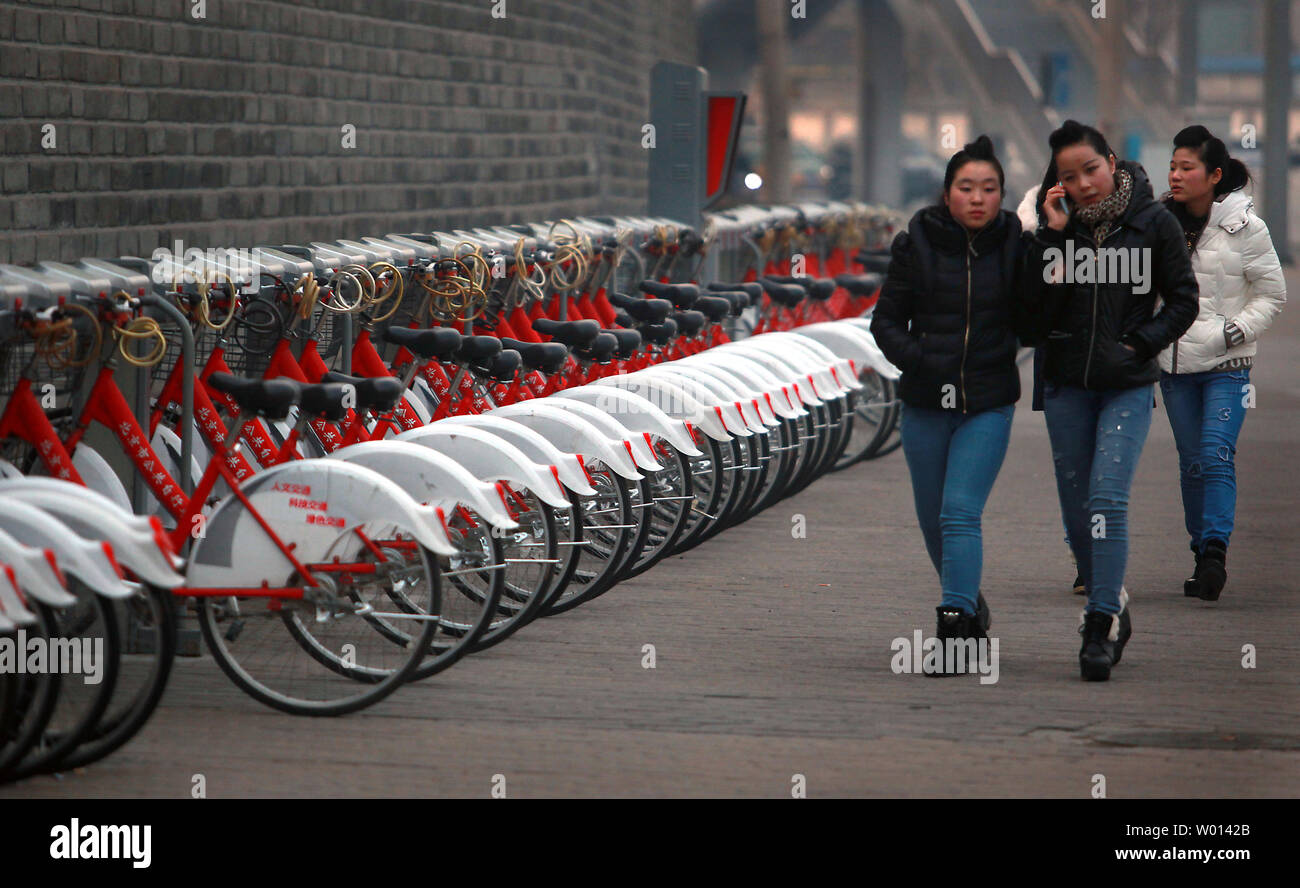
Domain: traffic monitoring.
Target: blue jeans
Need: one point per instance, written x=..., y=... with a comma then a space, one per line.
x=1206, y=411
x=954, y=459
x=1097, y=438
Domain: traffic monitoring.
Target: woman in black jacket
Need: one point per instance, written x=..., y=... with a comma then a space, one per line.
x=944, y=318
x=1092, y=276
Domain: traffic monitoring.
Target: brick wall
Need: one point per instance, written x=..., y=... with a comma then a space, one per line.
x=228, y=129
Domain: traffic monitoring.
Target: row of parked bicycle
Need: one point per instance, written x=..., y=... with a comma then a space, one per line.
x=368, y=459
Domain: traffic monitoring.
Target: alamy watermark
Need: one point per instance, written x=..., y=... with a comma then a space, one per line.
x=21, y=655
x=181, y=265
x=1089, y=265
x=956, y=655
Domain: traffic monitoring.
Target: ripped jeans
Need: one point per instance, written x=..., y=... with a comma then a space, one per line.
x=1206, y=412
x=1097, y=438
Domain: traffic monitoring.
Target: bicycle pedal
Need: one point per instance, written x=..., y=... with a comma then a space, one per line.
x=233, y=629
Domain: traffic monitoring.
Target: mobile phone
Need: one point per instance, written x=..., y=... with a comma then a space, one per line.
x=1065, y=205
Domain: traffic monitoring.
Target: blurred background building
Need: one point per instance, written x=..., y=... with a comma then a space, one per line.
x=125, y=124
x=879, y=93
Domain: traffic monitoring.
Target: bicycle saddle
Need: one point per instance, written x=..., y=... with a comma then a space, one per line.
x=753, y=289
x=859, y=284
x=628, y=342
x=715, y=308
x=574, y=334
x=502, y=366
x=270, y=398
x=478, y=349
x=601, y=348
x=788, y=295
x=379, y=393
x=548, y=357
x=324, y=399
x=817, y=288
x=660, y=334
x=680, y=295
x=737, y=300
x=873, y=260
x=648, y=310
x=434, y=342
x=689, y=322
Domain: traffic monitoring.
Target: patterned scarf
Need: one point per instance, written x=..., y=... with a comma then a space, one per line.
x=1102, y=215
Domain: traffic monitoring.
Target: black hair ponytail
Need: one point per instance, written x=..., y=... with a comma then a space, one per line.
x=1074, y=133
x=980, y=149
x=1214, y=154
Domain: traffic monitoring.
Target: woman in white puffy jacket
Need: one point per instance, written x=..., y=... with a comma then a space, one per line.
x=1205, y=374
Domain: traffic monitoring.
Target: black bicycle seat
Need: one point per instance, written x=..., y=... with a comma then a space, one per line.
x=574, y=334
x=324, y=399
x=270, y=398
x=650, y=311
x=502, y=366
x=680, y=295
x=478, y=349
x=715, y=308
x=548, y=357
x=628, y=341
x=600, y=350
x=689, y=322
x=660, y=334
x=434, y=342
x=873, y=260
x=859, y=284
x=380, y=393
x=817, y=288
x=788, y=295
x=753, y=289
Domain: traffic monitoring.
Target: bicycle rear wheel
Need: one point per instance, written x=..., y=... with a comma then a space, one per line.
x=33, y=697
x=348, y=645
x=607, y=534
x=87, y=637
x=530, y=554
x=149, y=651
x=670, y=496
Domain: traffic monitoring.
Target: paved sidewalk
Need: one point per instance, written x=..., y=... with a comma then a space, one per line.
x=773, y=660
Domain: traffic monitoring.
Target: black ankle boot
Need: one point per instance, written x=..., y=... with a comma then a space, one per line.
x=1214, y=569
x=954, y=623
x=1100, y=632
x=1193, y=585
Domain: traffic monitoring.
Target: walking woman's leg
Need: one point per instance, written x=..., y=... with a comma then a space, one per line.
x=1184, y=402
x=1071, y=427
x=1225, y=411
x=1122, y=425
x=926, y=433
x=975, y=456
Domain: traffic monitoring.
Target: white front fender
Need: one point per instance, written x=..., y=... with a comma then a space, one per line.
x=567, y=467
x=635, y=413
x=90, y=561
x=571, y=432
x=95, y=517
x=489, y=457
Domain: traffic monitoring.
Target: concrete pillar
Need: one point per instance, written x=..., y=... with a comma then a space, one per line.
x=881, y=76
x=774, y=86
x=1277, y=104
x=1188, y=51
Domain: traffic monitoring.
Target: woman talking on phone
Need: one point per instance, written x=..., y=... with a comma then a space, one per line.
x=1205, y=373
x=1093, y=274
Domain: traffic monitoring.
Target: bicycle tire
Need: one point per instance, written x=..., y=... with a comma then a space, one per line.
x=157, y=613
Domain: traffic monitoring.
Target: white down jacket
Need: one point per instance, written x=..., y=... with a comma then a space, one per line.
x=1240, y=279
